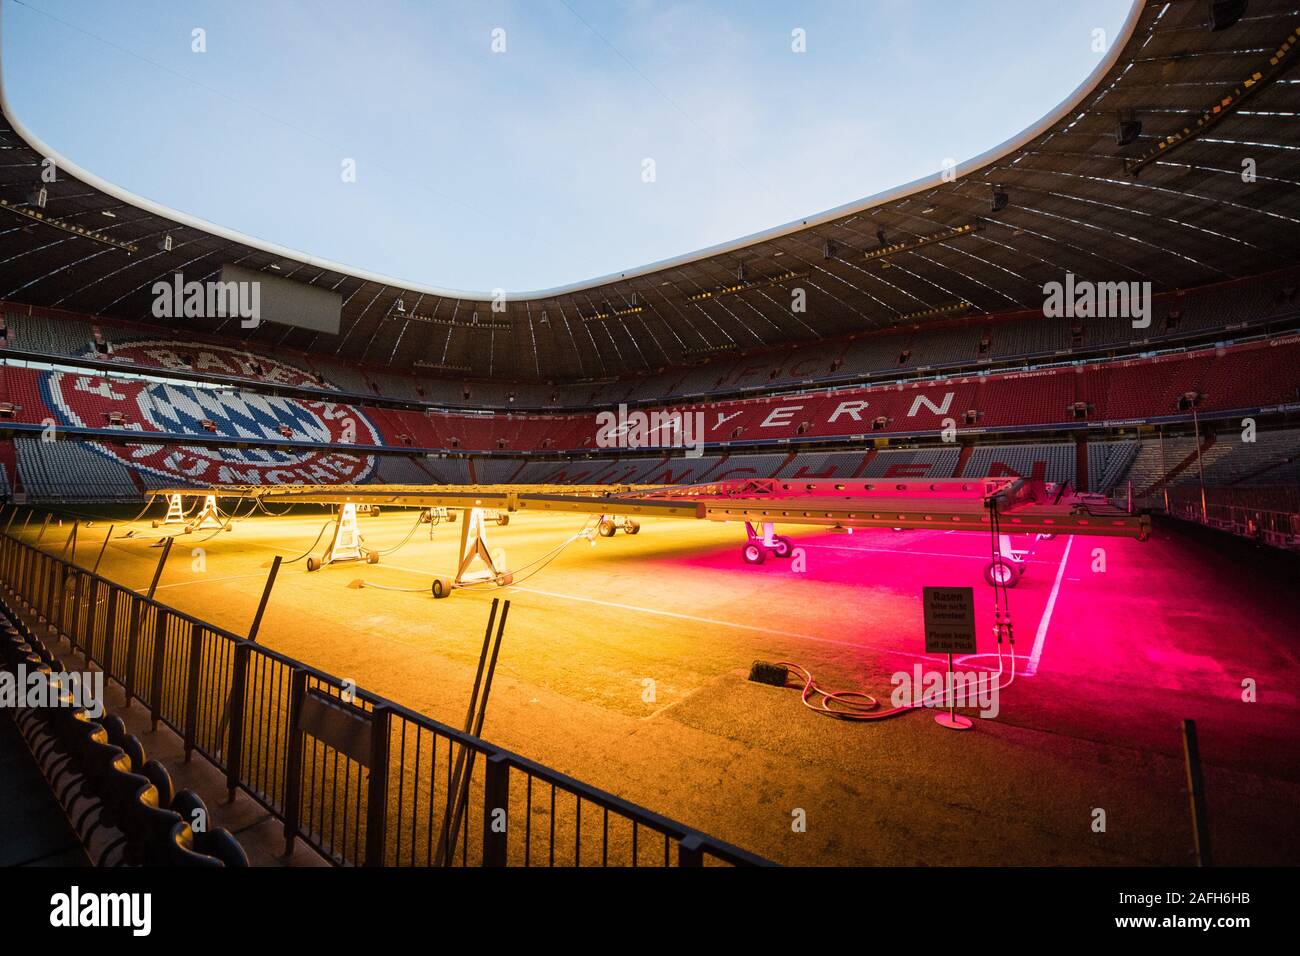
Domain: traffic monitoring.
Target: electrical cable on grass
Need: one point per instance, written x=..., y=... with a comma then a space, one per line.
x=584, y=534
x=147, y=506
x=274, y=514
x=319, y=535
x=859, y=706
x=397, y=547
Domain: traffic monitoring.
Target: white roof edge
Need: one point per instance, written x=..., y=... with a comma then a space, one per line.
x=987, y=158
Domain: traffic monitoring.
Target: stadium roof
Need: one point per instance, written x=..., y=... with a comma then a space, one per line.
x=1208, y=190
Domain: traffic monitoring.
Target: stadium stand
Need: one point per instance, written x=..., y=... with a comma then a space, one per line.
x=835, y=465
x=1108, y=463
x=919, y=463
x=72, y=471
x=1047, y=462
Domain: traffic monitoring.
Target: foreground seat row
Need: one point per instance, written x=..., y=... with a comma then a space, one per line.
x=121, y=804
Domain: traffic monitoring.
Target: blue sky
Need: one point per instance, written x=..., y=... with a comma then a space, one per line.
x=523, y=169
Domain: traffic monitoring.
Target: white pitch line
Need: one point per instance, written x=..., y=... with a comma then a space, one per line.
x=1041, y=637
x=143, y=589
x=900, y=551
x=721, y=623
x=717, y=622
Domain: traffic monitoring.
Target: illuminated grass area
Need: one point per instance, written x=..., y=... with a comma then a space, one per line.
x=624, y=665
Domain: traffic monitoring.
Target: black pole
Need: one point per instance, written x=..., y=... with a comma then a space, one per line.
x=1196, y=794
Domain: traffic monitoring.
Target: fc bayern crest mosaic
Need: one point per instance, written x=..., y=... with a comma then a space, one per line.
x=91, y=400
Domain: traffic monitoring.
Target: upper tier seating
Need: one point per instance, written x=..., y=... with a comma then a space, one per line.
x=1254, y=376
x=963, y=342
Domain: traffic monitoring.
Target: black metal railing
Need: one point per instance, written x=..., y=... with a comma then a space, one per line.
x=398, y=789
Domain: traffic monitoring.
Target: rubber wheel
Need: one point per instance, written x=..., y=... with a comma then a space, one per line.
x=1001, y=573
x=189, y=529
x=425, y=517
x=503, y=519
x=313, y=564
x=441, y=588
x=372, y=557
x=451, y=517
x=607, y=529
x=631, y=527
x=754, y=553
x=782, y=547
x=374, y=510
x=506, y=578
x=157, y=524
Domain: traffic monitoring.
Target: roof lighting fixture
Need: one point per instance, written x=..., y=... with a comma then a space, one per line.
x=36, y=215
x=909, y=245
x=1281, y=60
x=939, y=311
x=746, y=285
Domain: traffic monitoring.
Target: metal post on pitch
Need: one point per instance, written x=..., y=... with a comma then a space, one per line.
x=953, y=720
x=102, y=547
x=949, y=627
x=1196, y=794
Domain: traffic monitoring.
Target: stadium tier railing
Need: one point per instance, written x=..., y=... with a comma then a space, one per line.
x=1261, y=519
x=361, y=779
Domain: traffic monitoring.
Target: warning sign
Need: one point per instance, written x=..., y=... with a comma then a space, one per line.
x=949, y=620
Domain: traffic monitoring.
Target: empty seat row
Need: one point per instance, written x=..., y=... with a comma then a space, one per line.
x=118, y=800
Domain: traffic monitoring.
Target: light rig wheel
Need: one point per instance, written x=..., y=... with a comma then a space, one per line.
x=441, y=588
x=503, y=519
x=313, y=564
x=782, y=547
x=631, y=527
x=607, y=528
x=1002, y=573
x=372, y=557
x=754, y=553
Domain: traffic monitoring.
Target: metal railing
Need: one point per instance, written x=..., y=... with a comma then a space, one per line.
x=1267, y=514
x=385, y=792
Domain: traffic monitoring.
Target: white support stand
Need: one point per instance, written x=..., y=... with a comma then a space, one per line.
x=208, y=517
x=345, y=543
x=175, y=512
x=473, y=546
